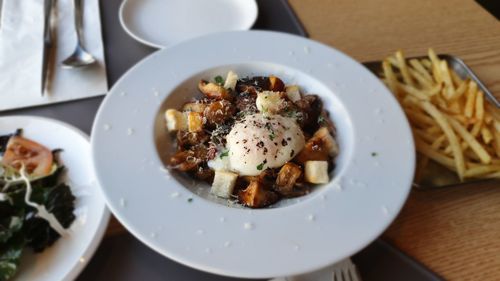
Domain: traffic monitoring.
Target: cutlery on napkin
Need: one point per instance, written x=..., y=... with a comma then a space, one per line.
x=21, y=53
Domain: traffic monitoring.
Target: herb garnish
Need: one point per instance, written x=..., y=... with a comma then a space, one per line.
x=190, y=200
x=219, y=80
x=291, y=113
x=321, y=120
x=260, y=166
x=374, y=154
x=268, y=126
x=224, y=154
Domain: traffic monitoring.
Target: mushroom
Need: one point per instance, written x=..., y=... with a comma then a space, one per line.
x=320, y=147
x=276, y=84
x=287, y=177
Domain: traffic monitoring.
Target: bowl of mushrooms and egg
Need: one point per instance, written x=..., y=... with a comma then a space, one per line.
x=254, y=140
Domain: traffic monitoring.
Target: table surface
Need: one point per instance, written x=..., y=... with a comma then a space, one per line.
x=455, y=232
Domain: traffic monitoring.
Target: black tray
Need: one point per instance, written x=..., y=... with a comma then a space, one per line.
x=435, y=175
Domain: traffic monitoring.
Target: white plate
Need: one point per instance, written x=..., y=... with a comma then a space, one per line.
x=68, y=256
x=161, y=23
x=130, y=145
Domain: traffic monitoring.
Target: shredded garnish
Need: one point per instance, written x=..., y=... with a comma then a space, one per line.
x=224, y=154
x=41, y=210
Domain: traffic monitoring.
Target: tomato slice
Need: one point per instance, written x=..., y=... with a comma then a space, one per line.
x=37, y=159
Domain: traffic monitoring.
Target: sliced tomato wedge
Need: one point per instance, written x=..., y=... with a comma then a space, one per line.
x=37, y=159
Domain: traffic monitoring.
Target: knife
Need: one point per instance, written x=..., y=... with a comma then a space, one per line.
x=1, y=6
x=47, y=42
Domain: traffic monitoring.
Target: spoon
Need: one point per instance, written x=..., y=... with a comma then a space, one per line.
x=80, y=56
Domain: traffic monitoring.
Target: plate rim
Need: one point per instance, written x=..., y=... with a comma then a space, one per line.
x=144, y=237
x=149, y=43
x=98, y=236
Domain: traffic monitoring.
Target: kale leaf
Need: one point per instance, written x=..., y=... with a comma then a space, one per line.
x=9, y=226
x=10, y=255
x=50, y=180
x=59, y=201
x=19, y=224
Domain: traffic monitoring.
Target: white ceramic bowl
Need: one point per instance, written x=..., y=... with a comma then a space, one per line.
x=369, y=184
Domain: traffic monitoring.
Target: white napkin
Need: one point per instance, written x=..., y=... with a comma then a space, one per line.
x=21, y=51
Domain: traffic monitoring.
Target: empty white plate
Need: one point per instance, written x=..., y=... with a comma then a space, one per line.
x=160, y=23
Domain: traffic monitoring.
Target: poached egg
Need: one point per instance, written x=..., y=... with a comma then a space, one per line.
x=263, y=141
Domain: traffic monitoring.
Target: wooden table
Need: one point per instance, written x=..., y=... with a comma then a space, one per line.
x=454, y=232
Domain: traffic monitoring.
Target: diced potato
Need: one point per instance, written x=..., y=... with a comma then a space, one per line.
x=194, y=121
x=194, y=106
x=213, y=91
x=287, y=177
x=316, y=172
x=176, y=120
x=293, y=93
x=328, y=141
x=231, y=80
x=223, y=184
x=256, y=196
x=269, y=102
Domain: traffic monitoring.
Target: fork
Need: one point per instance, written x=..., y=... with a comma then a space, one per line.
x=344, y=270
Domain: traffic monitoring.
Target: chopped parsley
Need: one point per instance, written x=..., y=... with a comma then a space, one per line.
x=374, y=154
x=321, y=120
x=291, y=113
x=224, y=154
x=190, y=200
x=272, y=136
x=260, y=166
x=240, y=114
x=219, y=80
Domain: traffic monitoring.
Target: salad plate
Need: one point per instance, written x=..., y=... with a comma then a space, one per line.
x=179, y=218
x=66, y=258
x=160, y=23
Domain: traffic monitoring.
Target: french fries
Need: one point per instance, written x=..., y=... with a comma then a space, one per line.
x=452, y=123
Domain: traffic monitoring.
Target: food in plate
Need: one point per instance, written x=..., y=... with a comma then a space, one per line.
x=254, y=139
x=36, y=206
x=452, y=122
